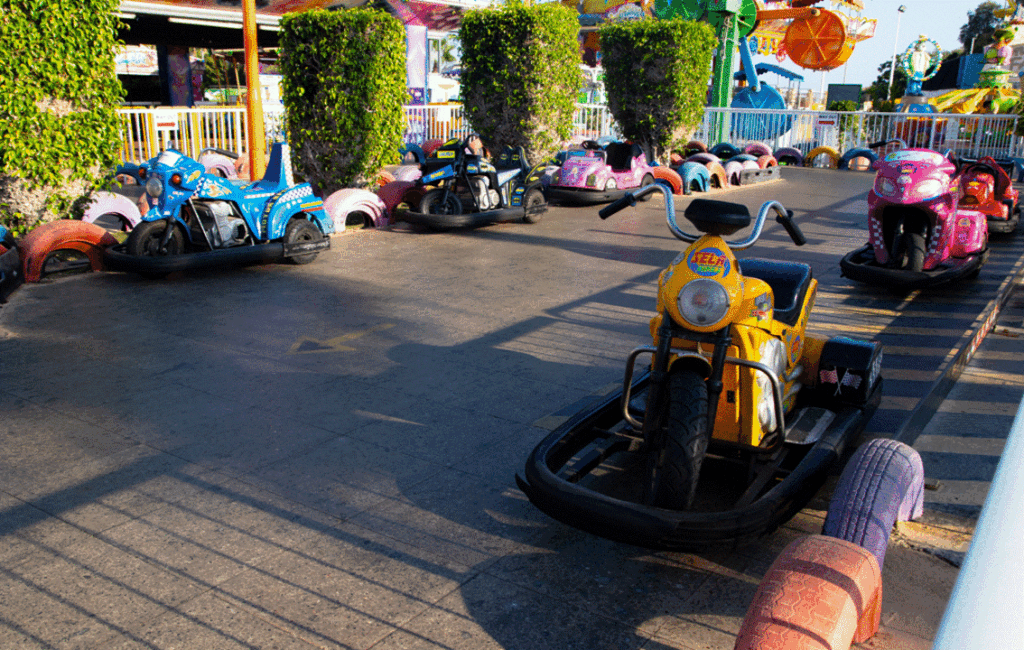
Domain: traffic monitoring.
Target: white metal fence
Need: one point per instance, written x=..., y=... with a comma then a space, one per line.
x=146, y=131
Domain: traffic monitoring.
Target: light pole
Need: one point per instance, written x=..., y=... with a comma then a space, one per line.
x=895, y=47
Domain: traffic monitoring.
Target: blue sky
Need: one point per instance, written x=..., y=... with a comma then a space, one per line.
x=938, y=19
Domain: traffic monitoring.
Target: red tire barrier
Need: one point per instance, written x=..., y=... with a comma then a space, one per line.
x=675, y=159
x=65, y=234
x=430, y=146
x=670, y=176
x=382, y=178
x=695, y=146
x=821, y=593
x=394, y=193
x=883, y=482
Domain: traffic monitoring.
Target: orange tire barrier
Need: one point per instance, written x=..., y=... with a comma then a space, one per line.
x=832, y=154
x=718, y=178
x=672, y=177
x=764, y=162
x=821, y=592
x=64, y=234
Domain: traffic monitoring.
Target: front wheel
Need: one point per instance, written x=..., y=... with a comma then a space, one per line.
x=685, y=441
x=533, y=205
x=146, y=239
x=648, y=179
x=440, y=202
x=302, y=230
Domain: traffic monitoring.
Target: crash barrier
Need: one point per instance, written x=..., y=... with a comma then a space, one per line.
x=984, y=608
x=967, y=135
x=821, y=592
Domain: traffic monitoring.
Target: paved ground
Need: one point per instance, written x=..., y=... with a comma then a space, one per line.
x=323, y=456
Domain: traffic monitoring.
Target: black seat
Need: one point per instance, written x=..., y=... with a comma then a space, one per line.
x=717, y=217
x=511, y=158
x=788, y=280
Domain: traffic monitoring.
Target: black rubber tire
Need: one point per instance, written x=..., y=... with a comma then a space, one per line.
x=434, y=203
x=883, y=482
x=302, y=230
x=532, y=202
x=686, y=441
x=916, y=250
x=648, y=179
x=145, y=238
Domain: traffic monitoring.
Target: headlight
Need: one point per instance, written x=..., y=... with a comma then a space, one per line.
x=885, y=187
x=154, y=186
x=929, y=188
x=591, y=180
x=773, y=355
x=703, y=302
x=611, y=184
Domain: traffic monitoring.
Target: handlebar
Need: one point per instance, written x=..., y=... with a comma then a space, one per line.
x=782, y=216
x=223, y=152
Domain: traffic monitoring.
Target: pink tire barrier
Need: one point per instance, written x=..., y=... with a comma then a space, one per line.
x=407, y=172
x=718, y=178
x=219, y=164
x=110, y=204
x=732, y=171
x=396, y=192
x=343, y=203
x=882, y=483
x=820, y=593
x=757, y=149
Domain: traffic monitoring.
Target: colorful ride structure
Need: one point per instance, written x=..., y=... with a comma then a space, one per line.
x=994, y=92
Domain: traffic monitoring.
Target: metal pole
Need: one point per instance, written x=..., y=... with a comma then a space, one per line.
x=895, y=47
x=257, y=137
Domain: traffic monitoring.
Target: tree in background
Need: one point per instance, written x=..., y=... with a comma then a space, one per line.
x=520, y=75
x=59, y=128
x=979, y=27
x=879, y=90
x=656, y=77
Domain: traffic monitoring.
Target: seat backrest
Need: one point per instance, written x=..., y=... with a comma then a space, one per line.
x=619, y=155
x=449, y=153
x=511, y=158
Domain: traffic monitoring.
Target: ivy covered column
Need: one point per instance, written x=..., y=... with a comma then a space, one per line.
x=59, y=93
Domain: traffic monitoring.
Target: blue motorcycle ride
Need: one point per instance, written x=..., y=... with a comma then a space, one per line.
x=200, y=220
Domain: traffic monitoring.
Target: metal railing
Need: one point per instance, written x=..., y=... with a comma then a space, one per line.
x=967, y=135
x=146, y=131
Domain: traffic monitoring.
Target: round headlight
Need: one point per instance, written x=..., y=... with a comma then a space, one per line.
x=929, y=188
x=611, y=184
x=154, y=186
x=703, y=302
x=885, y=186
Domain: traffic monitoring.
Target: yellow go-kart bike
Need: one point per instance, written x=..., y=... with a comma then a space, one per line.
x=740, y=415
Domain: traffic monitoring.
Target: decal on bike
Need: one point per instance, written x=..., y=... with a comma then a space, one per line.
x=709, y=262
x=847, y=379
x=193, y=176
x=212, y=189
x=762, y=309
x=445, y=154
x=794, y=347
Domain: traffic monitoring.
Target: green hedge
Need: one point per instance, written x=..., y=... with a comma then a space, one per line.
x=59, y=130
x=520, y=75
x=343, y=87
x=656, y=77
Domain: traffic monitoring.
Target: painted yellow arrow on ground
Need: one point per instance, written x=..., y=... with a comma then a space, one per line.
x=306, y=345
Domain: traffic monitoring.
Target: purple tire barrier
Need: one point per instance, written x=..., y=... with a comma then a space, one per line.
x=704, y=158
x=407, y=172
x=757, y=149
x=109, y=203
x=882, y=483
x=732, y=171
x=219, y=164
x=789, y=156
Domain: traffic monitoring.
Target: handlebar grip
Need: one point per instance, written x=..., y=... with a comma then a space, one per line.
x=794, y=231
x=880, y=143
x=615, y=206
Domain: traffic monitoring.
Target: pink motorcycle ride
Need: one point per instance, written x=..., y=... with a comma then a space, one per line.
x=600, y=175
x=918, y=233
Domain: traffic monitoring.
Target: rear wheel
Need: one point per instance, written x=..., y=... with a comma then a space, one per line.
x=436, y=202
x=146, y=239
x=685, y=441
x=300, y=231
x=533, y=205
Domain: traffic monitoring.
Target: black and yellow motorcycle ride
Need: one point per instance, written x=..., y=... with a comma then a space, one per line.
x=740, y=415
